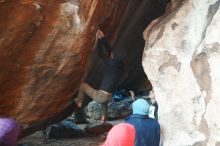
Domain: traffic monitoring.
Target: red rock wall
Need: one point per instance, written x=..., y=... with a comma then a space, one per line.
x=129, y=40
x=44, y=47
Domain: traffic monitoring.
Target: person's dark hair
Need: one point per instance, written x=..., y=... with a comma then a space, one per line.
x=148, y=85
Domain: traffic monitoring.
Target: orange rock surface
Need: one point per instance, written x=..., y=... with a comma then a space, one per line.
x=44, y=47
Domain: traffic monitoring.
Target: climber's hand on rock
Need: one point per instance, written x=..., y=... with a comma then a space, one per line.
x=100, y=34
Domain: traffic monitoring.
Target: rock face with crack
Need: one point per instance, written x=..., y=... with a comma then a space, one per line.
x=44, y=48
x=181, y=59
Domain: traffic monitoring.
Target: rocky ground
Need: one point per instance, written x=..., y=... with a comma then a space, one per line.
x=86, y=141
x=38, y=139
x=81, y=134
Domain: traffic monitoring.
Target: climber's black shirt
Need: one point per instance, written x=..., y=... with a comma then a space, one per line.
x=113, y=68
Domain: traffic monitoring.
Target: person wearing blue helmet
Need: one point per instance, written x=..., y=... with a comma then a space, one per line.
x=147, y=129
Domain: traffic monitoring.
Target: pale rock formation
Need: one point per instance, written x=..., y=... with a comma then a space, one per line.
x=181, y=58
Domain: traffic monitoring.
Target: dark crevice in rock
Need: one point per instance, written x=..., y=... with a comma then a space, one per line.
x=129, y=40
x=171, y=9
x=211, y=12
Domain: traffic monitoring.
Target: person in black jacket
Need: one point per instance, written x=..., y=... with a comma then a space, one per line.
x=147, y=129
x=112, y=73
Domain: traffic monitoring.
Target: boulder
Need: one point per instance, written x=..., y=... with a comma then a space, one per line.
x=44, y=48
x=181, y=58
x=116, y=110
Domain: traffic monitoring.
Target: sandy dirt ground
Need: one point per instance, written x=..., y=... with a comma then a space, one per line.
x=87, y=141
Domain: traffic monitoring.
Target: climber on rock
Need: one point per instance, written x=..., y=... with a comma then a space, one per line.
x=112, y=73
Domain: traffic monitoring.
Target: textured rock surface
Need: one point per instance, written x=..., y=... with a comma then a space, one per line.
x=44, y=48
x=129, y=40
x=181, y=59
x=116, y=110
